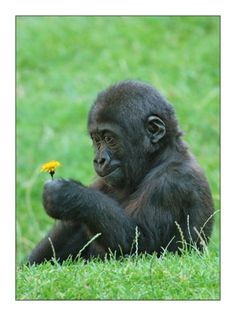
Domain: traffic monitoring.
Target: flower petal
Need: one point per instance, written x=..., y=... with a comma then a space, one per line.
x=50, y=166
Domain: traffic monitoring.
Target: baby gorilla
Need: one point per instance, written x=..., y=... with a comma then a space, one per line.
x=148, y=185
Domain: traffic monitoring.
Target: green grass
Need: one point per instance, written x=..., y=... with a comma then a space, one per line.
x=62, y=62
x=141, y=278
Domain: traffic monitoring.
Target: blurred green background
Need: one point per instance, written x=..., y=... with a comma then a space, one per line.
x=63, y=62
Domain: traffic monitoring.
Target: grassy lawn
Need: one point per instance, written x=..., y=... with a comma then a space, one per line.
x=62, y=62
x=143, y=278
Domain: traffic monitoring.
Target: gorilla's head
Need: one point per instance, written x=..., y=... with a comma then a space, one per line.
x=130, y=124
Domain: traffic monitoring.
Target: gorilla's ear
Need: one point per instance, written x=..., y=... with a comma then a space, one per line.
x=156, y=128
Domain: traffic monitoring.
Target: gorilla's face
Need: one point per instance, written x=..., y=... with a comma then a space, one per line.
x=122, y=156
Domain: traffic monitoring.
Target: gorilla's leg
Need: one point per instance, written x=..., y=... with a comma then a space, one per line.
x=64, y=240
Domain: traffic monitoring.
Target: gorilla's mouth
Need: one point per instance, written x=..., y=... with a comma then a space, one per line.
x=114, y=178
x=109, y=172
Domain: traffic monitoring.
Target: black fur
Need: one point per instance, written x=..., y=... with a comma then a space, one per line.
x=147, y=182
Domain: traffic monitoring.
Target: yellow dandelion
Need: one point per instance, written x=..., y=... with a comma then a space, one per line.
x=50, y=167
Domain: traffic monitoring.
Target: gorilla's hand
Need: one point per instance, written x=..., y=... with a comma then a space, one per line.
x=60, y=196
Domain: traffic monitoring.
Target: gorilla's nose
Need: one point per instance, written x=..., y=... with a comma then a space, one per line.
x=102, y=160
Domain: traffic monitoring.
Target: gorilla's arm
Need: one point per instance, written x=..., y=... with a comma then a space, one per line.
x=84, y=212
x=154, y=216
x=68, y=200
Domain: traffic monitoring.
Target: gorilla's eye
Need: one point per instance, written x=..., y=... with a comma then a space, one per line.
x=109, y=139
x=97, y=141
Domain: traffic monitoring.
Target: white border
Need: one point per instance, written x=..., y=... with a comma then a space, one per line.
x=121, y=7
x=7, y=156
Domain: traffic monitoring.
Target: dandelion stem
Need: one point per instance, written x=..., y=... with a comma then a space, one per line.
x=52, y=173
